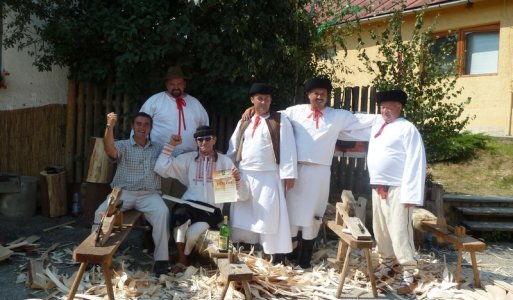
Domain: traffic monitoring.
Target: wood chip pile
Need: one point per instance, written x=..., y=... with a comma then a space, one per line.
x=47, y=276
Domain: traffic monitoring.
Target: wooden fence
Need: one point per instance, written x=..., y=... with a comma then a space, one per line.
x=60, y=135
x=349, y=173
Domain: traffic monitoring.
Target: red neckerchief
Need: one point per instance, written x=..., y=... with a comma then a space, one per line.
x=316, y=114
x=255, y=124
x=381, y=130
x=180, y=103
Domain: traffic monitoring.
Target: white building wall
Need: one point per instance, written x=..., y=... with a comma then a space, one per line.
x=26, y=86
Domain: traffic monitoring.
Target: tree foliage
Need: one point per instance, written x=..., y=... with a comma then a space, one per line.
x=426, y=77
x=222, y=45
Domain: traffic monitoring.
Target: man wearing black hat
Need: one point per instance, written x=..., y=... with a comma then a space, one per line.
x=194, y=170
x=175, y=112
x=316, y=130
x=397, y=170
x=265, y=151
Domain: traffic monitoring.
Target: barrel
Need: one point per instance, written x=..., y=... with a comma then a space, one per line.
x=23, y=203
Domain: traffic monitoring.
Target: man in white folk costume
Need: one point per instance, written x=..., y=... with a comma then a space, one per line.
x=397, y=170
x=194, y=170
x=265, y=151
x=316, y=130
x=174, y=111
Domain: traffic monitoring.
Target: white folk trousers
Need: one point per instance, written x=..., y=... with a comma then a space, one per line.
x=393, y=228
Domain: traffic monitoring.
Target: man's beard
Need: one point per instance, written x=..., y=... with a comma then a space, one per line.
x=176, y=93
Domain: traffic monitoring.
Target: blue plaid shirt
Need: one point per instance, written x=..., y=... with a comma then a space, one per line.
x=135, y=165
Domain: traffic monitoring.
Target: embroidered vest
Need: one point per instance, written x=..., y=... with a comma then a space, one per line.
x=273, y=124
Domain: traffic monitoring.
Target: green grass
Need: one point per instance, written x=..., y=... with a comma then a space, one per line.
x=490, y=172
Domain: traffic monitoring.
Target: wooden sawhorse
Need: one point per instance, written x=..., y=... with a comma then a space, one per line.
x=347, y=240
x=462, y=242
x=235, y=272
x=88, y=253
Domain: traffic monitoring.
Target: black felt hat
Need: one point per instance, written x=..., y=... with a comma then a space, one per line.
x=260, y=88
x=392, y=95
x=318, y=83
x=175, y=72
x=204, y=131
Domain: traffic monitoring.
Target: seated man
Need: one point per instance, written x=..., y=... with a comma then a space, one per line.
x=194, y=170
x=140, y=185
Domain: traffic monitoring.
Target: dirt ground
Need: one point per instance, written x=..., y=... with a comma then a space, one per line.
x=495, y=263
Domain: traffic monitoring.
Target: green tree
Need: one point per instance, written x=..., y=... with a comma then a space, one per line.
x=428, y=79
x=223, y=45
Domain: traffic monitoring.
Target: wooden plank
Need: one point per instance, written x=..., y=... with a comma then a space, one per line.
x=466, y=243
x=88, y=252
x=71, y=110
x=476, y=199
x=5, y=253
x=358, y=229
x=79, y=135
x=486, y=211
x=347, y=237
x=488, y=226
x=372, y=101
x=36, y=275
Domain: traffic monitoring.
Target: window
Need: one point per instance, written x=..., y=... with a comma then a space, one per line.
x=476, y=49
x=446, y=45
x=481, y=52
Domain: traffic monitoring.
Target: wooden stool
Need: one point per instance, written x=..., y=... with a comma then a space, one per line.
x=347, y=240
x=88, y=253
x=235, y=272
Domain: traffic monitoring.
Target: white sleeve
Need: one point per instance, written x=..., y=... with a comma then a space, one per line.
x=175, y=167
x=359, y=127
x=414, y=174
x=288, y=153
x=232, y=144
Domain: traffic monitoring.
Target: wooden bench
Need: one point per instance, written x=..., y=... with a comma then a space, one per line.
x=461, y=242
x=88, y=253
x=231, y=272
x=347, y=240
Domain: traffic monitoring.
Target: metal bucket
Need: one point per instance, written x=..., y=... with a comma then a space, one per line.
x=22, y=204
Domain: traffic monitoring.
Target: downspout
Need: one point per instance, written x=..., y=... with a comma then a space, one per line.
x=510, y=109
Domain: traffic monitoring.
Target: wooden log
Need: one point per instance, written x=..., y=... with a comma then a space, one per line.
x=53, y=194
x=99, y=167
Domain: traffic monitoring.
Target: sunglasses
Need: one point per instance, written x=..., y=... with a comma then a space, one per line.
x=204, y=138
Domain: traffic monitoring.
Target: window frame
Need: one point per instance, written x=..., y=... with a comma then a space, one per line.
x=461, y=45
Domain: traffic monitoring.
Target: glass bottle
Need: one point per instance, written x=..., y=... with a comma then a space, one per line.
x=224, y=236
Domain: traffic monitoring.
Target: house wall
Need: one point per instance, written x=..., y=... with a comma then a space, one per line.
x=491, y=94
x=26, y=86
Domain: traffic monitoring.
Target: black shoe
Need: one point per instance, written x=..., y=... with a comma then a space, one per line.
x=278, y=259
x=245, y=247
x=305, y=254
x=161, y=267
